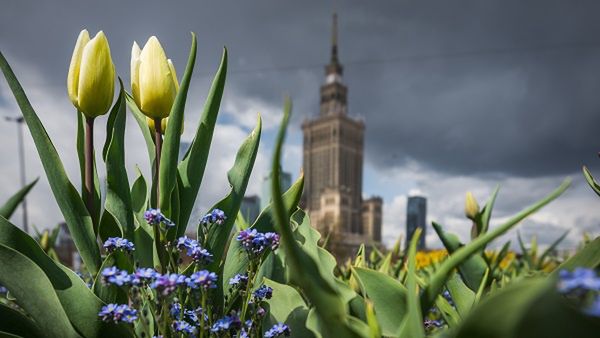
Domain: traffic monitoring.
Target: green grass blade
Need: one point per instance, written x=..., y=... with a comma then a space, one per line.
x=438, y=279
x=170, y=150
x=191, y=168
x=13, y=202
x=70, y=203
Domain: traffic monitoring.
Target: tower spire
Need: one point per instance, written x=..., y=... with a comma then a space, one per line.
x=334, y=51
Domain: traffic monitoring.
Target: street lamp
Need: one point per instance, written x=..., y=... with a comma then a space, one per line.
x=20, y=121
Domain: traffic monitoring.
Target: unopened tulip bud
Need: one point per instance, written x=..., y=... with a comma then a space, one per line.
x=471, y=206
x=91, y=78
x=153, y=79
x=163, y=125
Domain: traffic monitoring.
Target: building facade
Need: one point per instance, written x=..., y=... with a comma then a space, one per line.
x=416, y=217
x=250, y=208
x=333, y=167
x=285, y=182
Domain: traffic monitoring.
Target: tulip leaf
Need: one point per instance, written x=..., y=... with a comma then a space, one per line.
x=191, y=168
x=96, y=198
x=140, y=118
x=462, y=295
x=550, y=249
x=170, y=150
x=588, y=257
x=108, y=227
x=238, y=176
x=118, y=196
x=144, y=247
x=288, y=307
x=13, y=202
x=70, y=203
x=473, y=268
x=527, y=308
x=34, y=293
x=388, y=296
x=78, y=301
x=486, y=213
x=16, y=323
x=439, y=277
x=412, y=323
x=139, y=199
x=330, y=309
x=590, y=180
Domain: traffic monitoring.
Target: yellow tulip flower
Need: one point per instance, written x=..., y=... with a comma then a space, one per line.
x=471, y=206
x=91, y=78
x=154, y=82
x=163, y=125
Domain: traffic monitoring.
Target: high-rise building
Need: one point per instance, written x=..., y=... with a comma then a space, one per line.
x=250, y=208
x=333, y=165
x=372, y=217
x=416, y=217
x=285, y=180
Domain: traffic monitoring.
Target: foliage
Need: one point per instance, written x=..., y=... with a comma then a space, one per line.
x=269, y=278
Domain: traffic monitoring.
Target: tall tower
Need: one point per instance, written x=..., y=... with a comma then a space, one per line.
x=416, y=214
x=333, y=160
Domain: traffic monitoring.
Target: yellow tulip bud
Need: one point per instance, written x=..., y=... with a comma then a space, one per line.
x=163, y=125
x=153, y=79
x=471, y=206
x=91, y=78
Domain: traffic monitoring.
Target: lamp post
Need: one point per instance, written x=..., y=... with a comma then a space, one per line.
x=20, y=121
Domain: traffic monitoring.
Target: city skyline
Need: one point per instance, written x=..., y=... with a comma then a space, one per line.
x=458, y=97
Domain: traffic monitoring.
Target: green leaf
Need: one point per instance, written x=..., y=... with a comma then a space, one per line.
x=527, y=308
x=550, y=249
x=412, y=323
x=76, y=215
x=438, y=279
x=486, y=213
x=289, y=308
x=96, y=199
x=238, y=176
x=144, y=247
x=526, y=257
x=118, y=197
x=170, y=150
x=387, y=295
x=473, y=268
x=17, y=323
x=78, y=301
x=329, y=306
x=191, y=168
x=588, y=257
x=13, y=202
x=140, y=199
x=462, y=295
x=590, y=179
x=34, y=293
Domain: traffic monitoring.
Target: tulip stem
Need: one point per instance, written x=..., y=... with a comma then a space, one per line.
x=158, y=145
x=89, y=167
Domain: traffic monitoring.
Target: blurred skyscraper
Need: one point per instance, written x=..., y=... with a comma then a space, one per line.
x=250, y=208
x=416, y=217
x=285, y=180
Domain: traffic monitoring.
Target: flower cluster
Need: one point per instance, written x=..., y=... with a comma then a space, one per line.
x=277, y=330
x=112, y=275
x=582, y=285
x=118, y=313
x=167, y=283
x=263, y=292
x=155, y=217
x=238, y=280
x=184, y=327
x=580, y=280
x=193, y=249
x=255, y=243
x=228, y=324
x=118, y=243
x=202, y=279
x=217, y=216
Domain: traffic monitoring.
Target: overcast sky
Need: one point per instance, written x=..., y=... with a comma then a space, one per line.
x=456, y=95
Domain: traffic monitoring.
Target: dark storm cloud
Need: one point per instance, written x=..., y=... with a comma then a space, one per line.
x=468, y=87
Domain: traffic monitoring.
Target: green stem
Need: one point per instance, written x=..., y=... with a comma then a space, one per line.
x=203, y=292
x=89, y=167
x=158, y=148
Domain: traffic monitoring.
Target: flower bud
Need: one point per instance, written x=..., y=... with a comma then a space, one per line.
x=163, y=125
x=91, y=78
x=471, y=206
x=153, y=79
